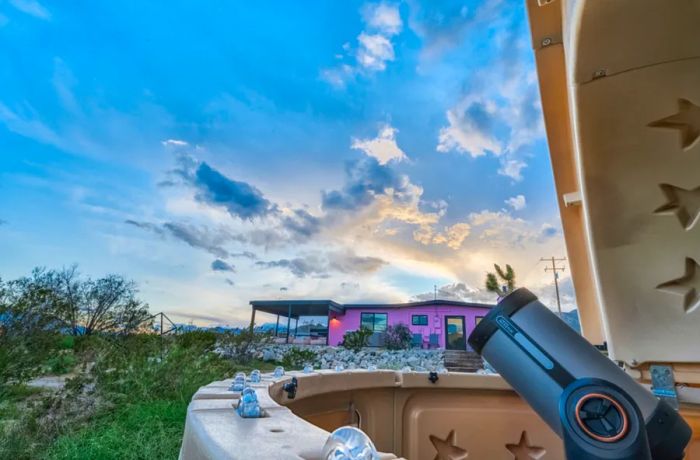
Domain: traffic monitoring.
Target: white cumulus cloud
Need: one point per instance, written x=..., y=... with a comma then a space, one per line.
x=465, y=135
x=517, y=202
x=383, y=147
x=374, y=52
x=383, y=17
x=374, y=46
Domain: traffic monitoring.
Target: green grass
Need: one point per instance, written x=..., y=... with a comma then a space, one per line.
x=151, y=430
x=132, y=404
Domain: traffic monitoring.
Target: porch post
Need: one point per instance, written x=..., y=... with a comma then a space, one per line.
x=277, y=325
x=328, y=326
x=252, y=320
x=289, y=320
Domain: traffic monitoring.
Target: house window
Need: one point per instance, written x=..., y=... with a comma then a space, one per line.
x=477, y=320
x=419, y=320
x=374, y=321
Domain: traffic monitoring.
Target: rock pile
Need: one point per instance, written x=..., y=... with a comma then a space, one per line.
x=329, y=357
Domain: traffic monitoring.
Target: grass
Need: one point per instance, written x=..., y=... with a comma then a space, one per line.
x=150, y=430
x=127, y=400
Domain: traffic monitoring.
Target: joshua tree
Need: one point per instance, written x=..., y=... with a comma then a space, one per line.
x=504, y=283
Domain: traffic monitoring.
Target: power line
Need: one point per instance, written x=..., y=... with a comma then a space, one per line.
x=554, y=269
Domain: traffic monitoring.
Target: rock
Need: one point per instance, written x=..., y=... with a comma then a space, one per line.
x=269, y=355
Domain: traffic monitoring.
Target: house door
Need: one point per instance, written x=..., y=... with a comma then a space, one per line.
x=455, y=334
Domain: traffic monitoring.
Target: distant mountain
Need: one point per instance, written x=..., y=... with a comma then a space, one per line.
x=270, y=327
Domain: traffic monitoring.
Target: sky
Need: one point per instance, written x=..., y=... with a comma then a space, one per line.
x=218, y=152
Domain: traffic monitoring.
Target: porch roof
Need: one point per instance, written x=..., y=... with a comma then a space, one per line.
x=423, y=303
x=297, y=308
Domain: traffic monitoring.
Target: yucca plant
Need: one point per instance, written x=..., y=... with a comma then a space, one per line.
x=502, y=282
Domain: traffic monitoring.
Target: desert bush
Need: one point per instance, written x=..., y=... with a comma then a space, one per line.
x=241, y=346
x=61, y=362
x=204, y=340
x=355, y=340
x=296, y=358
x=398, y=337
x=64, y=301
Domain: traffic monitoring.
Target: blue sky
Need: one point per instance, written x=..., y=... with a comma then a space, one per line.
x=222, y=151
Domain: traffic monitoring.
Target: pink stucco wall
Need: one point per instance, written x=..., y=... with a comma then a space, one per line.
x=436, y=320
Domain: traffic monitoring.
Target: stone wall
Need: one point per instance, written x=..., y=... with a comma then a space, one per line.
x=328, y=357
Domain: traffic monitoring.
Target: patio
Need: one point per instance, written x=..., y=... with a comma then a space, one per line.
x=293, y=333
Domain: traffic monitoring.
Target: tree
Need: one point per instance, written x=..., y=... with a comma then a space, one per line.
x=28, y=305
x=110, y=305
x=63, y=301
x=504, y=283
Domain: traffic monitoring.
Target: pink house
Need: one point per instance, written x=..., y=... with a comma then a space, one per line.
x=434, y=323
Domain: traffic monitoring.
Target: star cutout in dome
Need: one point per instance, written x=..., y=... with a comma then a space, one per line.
x=687, y=286
x=524, y=451
x=685, y=204
x=687, y=120
x=446, y=449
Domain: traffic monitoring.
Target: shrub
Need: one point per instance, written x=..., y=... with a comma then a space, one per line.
x=398, y=337
x=202, y=340
x=242, y=346
x=355, y=340
x=296, y=358
x=61, y=363
x=67, y=342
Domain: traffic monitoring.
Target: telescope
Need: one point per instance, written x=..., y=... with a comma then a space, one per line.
x=597, y=409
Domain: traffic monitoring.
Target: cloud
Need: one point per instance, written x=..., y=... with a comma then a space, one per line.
x=453, y=236
x=320, y=265
x=220, y=266
x=348, y=262
x=201, y=237
x=500, y=228
x=300, y=267
x=512, y=169
x=458, y=291
x=517, y=202
x=246, y=254
x=499, y=111
x=239, y=198
x=367, y=179
x=31, y=7
x=383, y=17
x=383, y=147
x=175, y=143
x=77, y=120
x=301, y=224
x=470, y=130
x=374, y=51
x=445, y=24
x=374, y=45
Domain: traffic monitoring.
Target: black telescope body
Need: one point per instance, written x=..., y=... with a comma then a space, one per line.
x=594, y=406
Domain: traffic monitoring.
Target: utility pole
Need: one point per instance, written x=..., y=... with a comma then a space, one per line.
x=435, y=291
x=554, y=269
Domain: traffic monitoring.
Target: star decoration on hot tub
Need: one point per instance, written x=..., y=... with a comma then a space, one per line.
x=685, y=204
x=687, y=286
x=446, y=449
x=687, y=120
x=524, y=451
